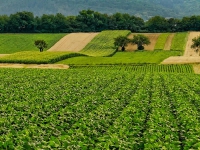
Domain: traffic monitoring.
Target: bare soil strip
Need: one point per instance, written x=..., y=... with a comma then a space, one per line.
x=73, y=42
x=152, y=36
x=169, y=41
x=40, y=66
x=189, y=51
x=181, y=60
x=196, y=68
x=1, y=55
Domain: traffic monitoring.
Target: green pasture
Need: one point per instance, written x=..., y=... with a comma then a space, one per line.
x=11, y=43
x=138, y=57
x=179, y=41
x=160, y=43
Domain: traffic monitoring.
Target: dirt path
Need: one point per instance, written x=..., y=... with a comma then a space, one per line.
x=181, y=60
x=189, y=51
x=40, y=66
x=169, y=41
x=152, y=36
x=73, y=42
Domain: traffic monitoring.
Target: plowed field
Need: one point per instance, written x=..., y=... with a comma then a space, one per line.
x=153, y=38
x=73, y=42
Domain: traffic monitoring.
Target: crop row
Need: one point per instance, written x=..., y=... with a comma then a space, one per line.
x=141, y=68
x=98, y=109
x=103, y=43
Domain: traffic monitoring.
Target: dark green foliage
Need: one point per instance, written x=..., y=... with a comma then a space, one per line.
x=196, y=43
x=121, y=41
x=140, y=47
x=93, y=21
x=140, y=40
x=41, y=45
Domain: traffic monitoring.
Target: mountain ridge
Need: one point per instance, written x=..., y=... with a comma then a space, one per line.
x=144, y=9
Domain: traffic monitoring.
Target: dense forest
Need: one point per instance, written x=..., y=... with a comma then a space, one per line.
x=92, y=21
x=141, y=8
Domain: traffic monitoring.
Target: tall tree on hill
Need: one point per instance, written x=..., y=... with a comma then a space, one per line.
x=140, y=40
x=121, y=41
x=196, y=44
x=41, y=45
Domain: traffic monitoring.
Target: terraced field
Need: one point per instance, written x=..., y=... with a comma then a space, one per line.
x=96, y=108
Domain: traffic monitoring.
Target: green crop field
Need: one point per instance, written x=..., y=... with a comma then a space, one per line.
x=33, y=57
x=11, y=43
x=103, y=43
x=160, y=43
x=96, y=108
x=139, y=57
x=179, y=41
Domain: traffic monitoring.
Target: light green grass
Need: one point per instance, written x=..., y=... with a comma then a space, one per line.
x=33, y=57
x=179, y=41
x=160, y=43
x=139, y=57
x=11, y=43
x=103, y=43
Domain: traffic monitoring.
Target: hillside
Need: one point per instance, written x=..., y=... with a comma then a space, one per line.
x=144, y=9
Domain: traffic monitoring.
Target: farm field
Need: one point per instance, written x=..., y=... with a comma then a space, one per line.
x=152, y=36
x=103, y=43
x=73, y=42
x=169, y=41
x=162, y=39
x=179, y=41
x=11, y=43
x=139, y=57
x=92, y=108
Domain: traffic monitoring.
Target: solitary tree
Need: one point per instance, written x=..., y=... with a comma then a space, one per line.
x=196, y=43
x=41, y=45
x=121, y=41
x=140, y=40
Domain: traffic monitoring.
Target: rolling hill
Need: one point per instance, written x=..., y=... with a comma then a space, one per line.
x=144, y=9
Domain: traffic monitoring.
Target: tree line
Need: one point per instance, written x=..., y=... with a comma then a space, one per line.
x=92, y=21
